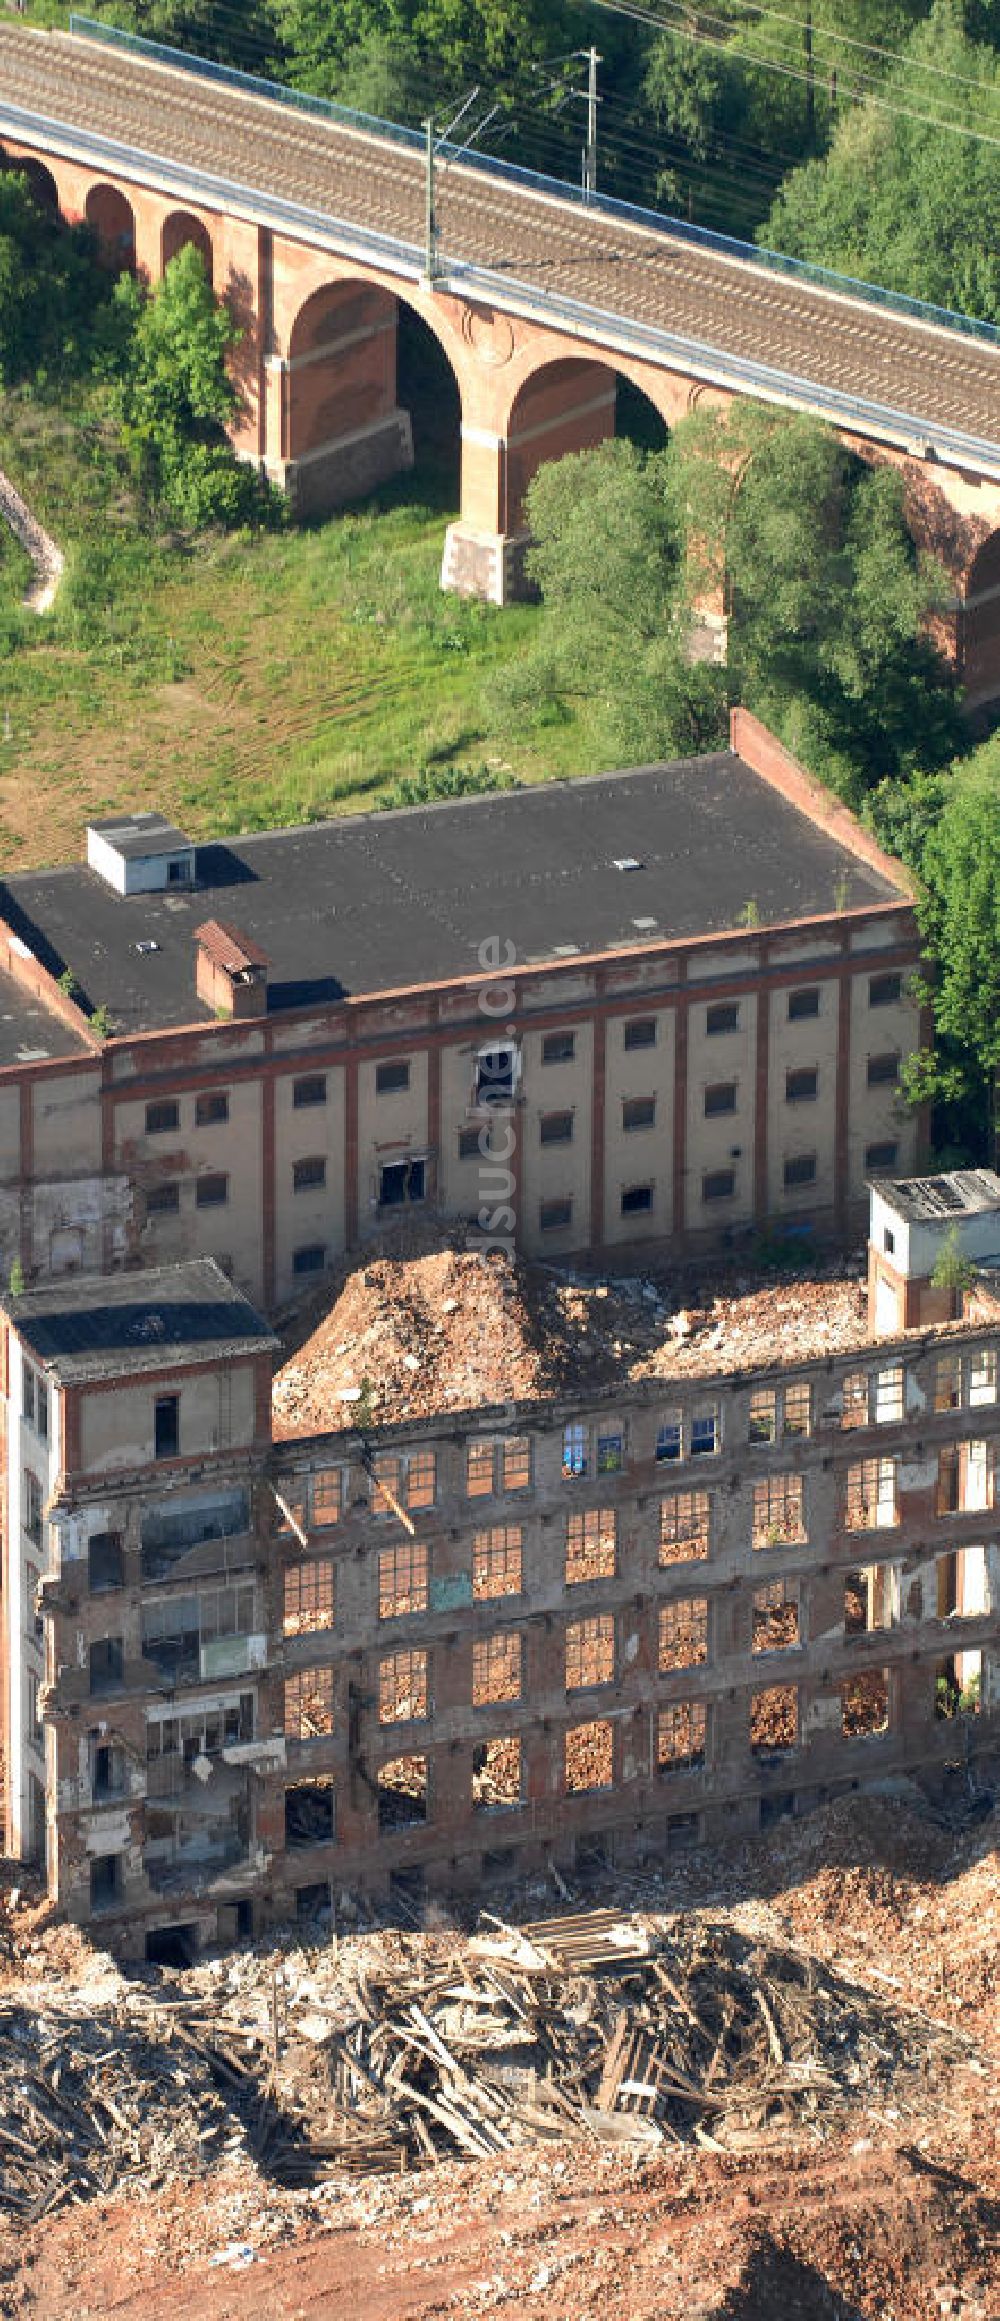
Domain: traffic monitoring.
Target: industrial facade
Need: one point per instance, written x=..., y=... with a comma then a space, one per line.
x=246, y=1672
x=688, y=990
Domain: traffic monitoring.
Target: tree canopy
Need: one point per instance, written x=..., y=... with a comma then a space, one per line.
x=176, y=397
x=55, y=299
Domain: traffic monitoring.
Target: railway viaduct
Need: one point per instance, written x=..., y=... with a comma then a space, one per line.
x=312, y=225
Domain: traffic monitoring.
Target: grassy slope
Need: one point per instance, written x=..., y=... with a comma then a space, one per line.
x=235, y=683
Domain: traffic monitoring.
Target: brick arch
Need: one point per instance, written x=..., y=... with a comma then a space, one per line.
x=343, y=431
x=182, y=230
x=564, y=405
x=41, y=183
x=979, y=625
x=111, y=216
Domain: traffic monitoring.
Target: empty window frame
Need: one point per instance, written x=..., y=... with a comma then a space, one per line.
x=403, y=1580
x=496, y=1667
x=35, y=1401
x=722, y=1016
x=982, y=1376
x=590, y=1651
x=803, y=1003
x=403, y=1793
x=889, y=1394
x=962, y=1585
x=496, y=1773
x=871, y=1497
x=706, y=1431
x=310, y=1090
x=106, y=1664
x=212, y=1109
x=683, y=1634
x=638, y=1112
x=309, y=1704
x=681, y=1736
x=864, y=1704
x=775, y=1617
x=166, y=1426
x=778, y=1511
x=309, y=1814
x=105, y=1562
x=636, y=1200
x=211, y=1192
x=802, y=1085
x=670, y=1438
x=591, y=1546
x=402, y=1688
x=555, y=1128
x=497, y=1562
x=498, y=1466
x=163, y=1200
x=799, y=1169
x=588, y=1756
x=327, y=1495
x=402, y=1183
x=310, y=1258
x=856, y=1397
x=774, y=1720
x=555, y=1216
x=162, y=1117
x=558, y=1047
x=640, y=1032
x=882, y=1160
x=797, y=1413
x=392, y=1078
x=473, y=1143
x=948, y=1382
x=411, y=1477
x=763, y=1423
x=309, y=1175
x=718, y=1185
x=883, y=1070
x=685, y=1527
x=720, y=1098
x=309, y=1597
x=32, y=1499
x=871, y=1598
x=496, y=1075
x=884, y=990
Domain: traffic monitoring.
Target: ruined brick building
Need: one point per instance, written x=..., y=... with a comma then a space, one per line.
x=246, y=1670
x=690, y=985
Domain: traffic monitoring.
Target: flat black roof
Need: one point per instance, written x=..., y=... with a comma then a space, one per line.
x=377, y=902
x=29, y=1031
x=100, y=1325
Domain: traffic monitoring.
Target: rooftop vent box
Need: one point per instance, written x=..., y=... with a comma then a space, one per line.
x=140, y=854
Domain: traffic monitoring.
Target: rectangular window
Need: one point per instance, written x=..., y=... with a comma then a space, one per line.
x=390, y=1079
x=588, y=1757
x=471, y=1144
x=775, y=1617
x=496, y=1562
x=982, y=1377
x=402, y=1182
x=411, y=1479
x=723, y=1016
x=669, y=1442
x=774, y=1720
x=883, y=1071
x=308, y=1173
x=948, y=1382
x=610, y=1451
x=402, y=1580
x=802, y=1085
x=28, y=1393
x=311, y=1258
x=308, y=1607
x=106, y=1664
x=778, y=1513
x=211, y=1192
x=555, y=1216
x=763, y=1427
x=211, y=1109
x=718, y=1185
x=591, y=1546
x=590, y=1652
x=872, y=1597
x=575, y=1450
x=327, y=1492
x=163, y=1200
x=640, y=1032
x=558, y=1047
x=864, y=1704
x=496, y=1773
x=800, y=1170
x=162, y=1117
x=803, y=1003
x=402, y=1688
x=105, y=1562
x=884, y=990
x=871, y=1495
x=637, y=1200
x=881, y=1159
x=685, y=1524
x=42, y=1409
x=720, y=1097
x=706, y=1432
x=681, y=1736
x=854, y=1410
x=638, y=1112
x=515, y=1463
x=947, y=1494
x=555, y=1128
x=889, y=1394
x=166, y=1426
x=311, y=1089
x=496, y=1668
x=31, y=1509
x=479, y=1466
x=495, y=1075
x=798, y=1410
x=309, y=1704
x=683, y=1637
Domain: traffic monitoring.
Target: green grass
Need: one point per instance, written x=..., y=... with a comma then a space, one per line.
x=238, y=682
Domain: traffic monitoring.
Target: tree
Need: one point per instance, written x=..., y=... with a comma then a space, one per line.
x=177, y=397
x=55, y=299
x=960, y=920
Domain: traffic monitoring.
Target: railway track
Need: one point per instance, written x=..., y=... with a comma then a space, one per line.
x=928, y=375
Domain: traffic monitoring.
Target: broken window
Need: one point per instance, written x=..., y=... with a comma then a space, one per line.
x=496, y=1667
x=558, y=1047
x=638, y=1112
x=591, y=1546
x=978, y=1480
x=106, y=1664
x=590, y=1651
x=309, y=1704
x=948, y=1382
x=402, y=1793
x=310, y=1258
x=883, y=1070
x=31, y=1507
x=778, y=1511
x=555, y=1216
x=402, y=1580
x=722, y=1016
x=402, y=1688
x=588, y=1756
x=683, y=1634
x=763, y=1427
x=774, y=1720
x=636, y=1200
x=308, y=1597
x=775, y=1617
x=871, y=1503
x=804, y=1003
x=327, y=1493
x=963, y=1588
x=498, y=1466
x=412, y=1480
x=212, y=1192
x=854, y=1409
x=684, y=1527
x=706, y=1431
x=496, y=1562
x=105, y=1562
x=681, y=1736
x=309, y=1814
x=390, y=1079
x=889, y=1394
x=211, y=1109
x=515, y=1463
x=575, y=1450
x=162, y=1117
x=610, y=1451
x=718, y=1185
x=496, y=1773
x=640, y=1032
x=308, y=1175
x=496, y=1075
x=881, y=1160
x=176, y=1633
x=799, y=1170
x=555, y=1128
x=720, y=1097
x=474, y=1143
x=669, y=1443
x=310, y=1090
x=958, y=1685
x=400, y=1182
x=871, y=1598
x=163, y=1200
x=884, y=990
x=107, y=1881
x=108, y=1770
x=798, y=1410
x=166, y=1426
x=864, y=1703
x=982, y=1376
x=479, y=1470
